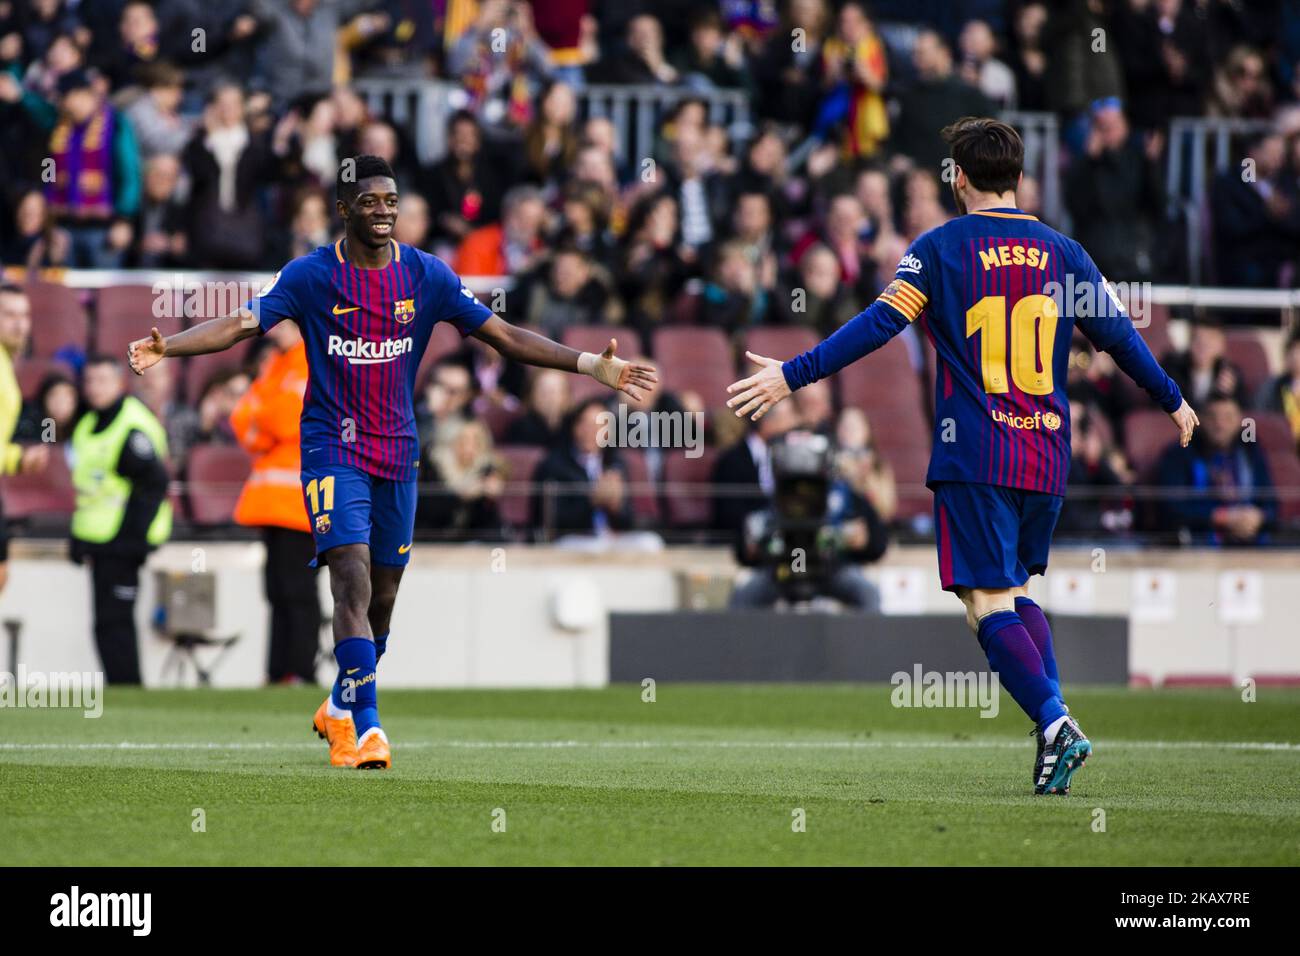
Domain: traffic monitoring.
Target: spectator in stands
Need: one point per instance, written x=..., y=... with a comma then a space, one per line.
x=936, y=98
x=712, y=59
x=301, y=38
x=651, y=270
x=510, y=247
x=42, y=75
x=641, y=62
x=1220, y=492
x=1114, y=193
x=570, y=33
x=1203, y=368
x=1282, y=394
x=309, y=223
x=1095, y=502
x=45, y=22
x=1241, y=86
x=861, y=464
x=265, y=421
x=570, y=292
x=551, y=140
x=732, y=298
x=1028, y=60
x=464, y=186
x=1079, y=70
x=208, y=422
x=854, y=71
x=304, y=142
x=1164, y=48
x=36, y=241
x=743, y=473
x=752, y=226
x=155, y=115
x=231, y=38
x=52, y=412
x=137, y=45
x=815, y=404
x=981, y=69
x=584, y=223
x=817, y=300
x=447, y=399
x=842, y=233
x=377, y=138
x=461, y=485
x=227, y=164
x=414, y=223
x=160, y=225
x=1256, y=217
x=542, y=422
x=95, y=191
x=787, y=74
x=593, y=497
x=1095, y=381
x=502, y=62
x=700, y=190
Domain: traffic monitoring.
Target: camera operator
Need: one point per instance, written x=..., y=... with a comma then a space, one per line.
x=815, y=530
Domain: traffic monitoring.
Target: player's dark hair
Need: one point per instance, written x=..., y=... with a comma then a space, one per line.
x=990, y=152
x=359, y=169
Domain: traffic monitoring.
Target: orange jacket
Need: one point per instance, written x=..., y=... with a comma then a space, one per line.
x=266, y=423
x=480, y=253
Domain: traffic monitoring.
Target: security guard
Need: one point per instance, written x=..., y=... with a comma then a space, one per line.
x=119, y=452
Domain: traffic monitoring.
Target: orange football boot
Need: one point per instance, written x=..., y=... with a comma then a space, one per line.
x=339, y=732
x=373, y=752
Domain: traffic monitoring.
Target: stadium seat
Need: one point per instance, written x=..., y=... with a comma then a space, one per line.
x=1147, y=434
x=215, y=477
x=775, y=342
x=58, y=319
x=688, y=489
x=695, y=360
x=1155, y=332
x=124, y=313
x=645, y=501
x=444, y=341
x=497, y=418
x=910, y=463
x=520, y=463
x=1273, y=432
x=1245, y=351
x=48, y=492
x=199, y=369
x=32, y=371
x=1284, y=469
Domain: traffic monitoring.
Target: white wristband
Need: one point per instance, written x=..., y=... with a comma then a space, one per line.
x=587, y=363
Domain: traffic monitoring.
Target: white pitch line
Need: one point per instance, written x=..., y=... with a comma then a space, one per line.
x=128, y=745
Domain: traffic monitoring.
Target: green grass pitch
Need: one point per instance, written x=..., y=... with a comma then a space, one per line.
x=706, y=774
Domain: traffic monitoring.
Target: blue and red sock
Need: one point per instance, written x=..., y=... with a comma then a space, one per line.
x=354, y=688
x=1040, y=632
x=1013, y=654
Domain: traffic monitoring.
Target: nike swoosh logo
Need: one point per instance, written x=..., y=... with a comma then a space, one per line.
x=403, y=549
x=338, y=311
x=352, y=670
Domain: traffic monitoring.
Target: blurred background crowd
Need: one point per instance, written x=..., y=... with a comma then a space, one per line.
x=206, y=135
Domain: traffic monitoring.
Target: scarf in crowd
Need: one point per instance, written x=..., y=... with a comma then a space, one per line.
x=83, y=168
x=227, y=145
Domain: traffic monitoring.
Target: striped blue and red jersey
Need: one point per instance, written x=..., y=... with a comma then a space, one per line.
x=1001, y=294
x=365, y=331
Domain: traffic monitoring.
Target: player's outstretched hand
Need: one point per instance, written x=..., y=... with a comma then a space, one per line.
x=632, y=378
x=759, y=392
x=142, y=353
x=1186, y=420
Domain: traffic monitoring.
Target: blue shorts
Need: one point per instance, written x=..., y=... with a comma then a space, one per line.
x=349, y=506
x=991, y=537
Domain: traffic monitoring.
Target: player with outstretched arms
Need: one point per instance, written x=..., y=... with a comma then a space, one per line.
x=990, y=286
x=366, y=306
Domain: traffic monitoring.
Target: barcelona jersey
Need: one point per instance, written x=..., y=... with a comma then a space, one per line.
x=999, y=295
x=365, y=331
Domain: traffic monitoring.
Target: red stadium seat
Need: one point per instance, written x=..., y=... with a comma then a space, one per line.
x=498, y=418
x=776, y=342
x=520, y=463
x=444, y=341
x=199, y=369
x=645, y=502
x=1147, y=434
x=1273, y=432
x=124, y=313
x=910, y=463
x=688, y=489
x=695, y=360
x=215, y=475
x=1245, y=351
x=32, y=371
x=58, y=319
x=1284, y=469
x=48, y=492
x=1154, y=328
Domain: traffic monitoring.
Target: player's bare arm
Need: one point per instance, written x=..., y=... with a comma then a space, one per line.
x=761, y=390
x=522, y=345
x=215, y=335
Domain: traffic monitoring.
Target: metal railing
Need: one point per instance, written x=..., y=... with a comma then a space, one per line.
x=1041, y=133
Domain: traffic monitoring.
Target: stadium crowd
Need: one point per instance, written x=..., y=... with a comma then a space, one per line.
x=207, y=135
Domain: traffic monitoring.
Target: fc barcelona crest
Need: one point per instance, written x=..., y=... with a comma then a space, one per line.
x=404, y=310
x=322, y=524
